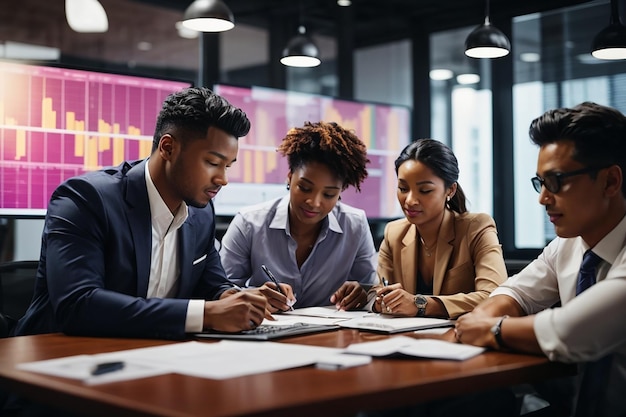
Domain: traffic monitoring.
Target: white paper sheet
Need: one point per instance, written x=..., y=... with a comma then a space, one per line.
x=224, y=359
x=423, y=348
x=79, y=367
x=390, y=324
x=239, y=358
x=328, y=312
x=286, y=320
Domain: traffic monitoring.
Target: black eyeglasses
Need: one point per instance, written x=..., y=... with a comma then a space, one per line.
x=552, y=182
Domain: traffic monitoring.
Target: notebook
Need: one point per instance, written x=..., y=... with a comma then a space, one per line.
x=271, y=331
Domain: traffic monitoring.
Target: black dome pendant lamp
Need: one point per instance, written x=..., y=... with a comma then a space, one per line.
x=610, y=43
x=487, y=41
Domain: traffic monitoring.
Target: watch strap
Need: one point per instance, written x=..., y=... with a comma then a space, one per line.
x=497, y=332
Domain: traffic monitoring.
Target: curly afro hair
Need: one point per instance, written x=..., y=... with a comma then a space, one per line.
x=330, y=144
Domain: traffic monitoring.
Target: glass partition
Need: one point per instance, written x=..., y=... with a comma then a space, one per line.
x=461, y=113
x=553, y=67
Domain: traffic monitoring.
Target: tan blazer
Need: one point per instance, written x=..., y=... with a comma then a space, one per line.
x=468, y=264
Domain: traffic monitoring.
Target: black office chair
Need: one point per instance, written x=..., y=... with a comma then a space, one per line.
x=17, y=284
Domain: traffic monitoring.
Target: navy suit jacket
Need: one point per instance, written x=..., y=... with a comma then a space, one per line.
x=95, y=261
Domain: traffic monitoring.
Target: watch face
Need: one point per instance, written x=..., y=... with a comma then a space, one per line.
x=420, y=301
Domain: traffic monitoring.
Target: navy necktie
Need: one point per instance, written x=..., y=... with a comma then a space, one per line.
x=596, y=373
x=587, y=273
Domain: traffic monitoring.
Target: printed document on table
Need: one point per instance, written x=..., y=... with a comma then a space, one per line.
x=229, y=359
x=422, y=348
x=390, y=324
x=224, y=359
x=80, y=367
x=290, y=320
x=326, y=312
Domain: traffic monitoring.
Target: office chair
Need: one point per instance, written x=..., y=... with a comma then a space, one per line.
x=17, y=284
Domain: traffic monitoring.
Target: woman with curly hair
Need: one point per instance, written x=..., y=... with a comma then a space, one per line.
x=320, y=249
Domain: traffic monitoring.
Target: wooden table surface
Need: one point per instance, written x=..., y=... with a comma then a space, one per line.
x=301, y=392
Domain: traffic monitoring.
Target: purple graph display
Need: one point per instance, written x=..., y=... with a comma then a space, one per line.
x=56, y=123
x=260, y=172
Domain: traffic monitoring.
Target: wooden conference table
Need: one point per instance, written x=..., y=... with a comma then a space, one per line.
x=301, y=392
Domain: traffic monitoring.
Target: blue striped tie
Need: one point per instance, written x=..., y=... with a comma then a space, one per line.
x=587, y=273
x=596, y=373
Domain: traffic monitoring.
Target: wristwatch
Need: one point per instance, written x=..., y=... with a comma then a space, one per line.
x=420, y=303
x=496, y=331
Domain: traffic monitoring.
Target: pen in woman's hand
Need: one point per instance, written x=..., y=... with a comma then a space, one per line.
x=275, y=281
x=382, y=302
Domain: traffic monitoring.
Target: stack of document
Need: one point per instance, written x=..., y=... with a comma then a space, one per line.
x=316, y=319
x=361, y=320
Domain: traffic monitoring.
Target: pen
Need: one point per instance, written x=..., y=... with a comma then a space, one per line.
x=385, y=284
x=105, y=368
x=274, y=280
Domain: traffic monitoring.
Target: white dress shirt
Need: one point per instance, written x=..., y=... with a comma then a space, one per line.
x=586, y=327
x=164, y=270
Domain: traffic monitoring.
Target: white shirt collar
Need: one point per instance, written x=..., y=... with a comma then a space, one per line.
x=611, y=244
x=281, y=218
x=163, y=220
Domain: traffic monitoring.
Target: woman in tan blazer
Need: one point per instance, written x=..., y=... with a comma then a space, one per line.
x=440, y=260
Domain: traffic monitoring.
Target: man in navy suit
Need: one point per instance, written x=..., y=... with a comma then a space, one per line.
x=129, y=251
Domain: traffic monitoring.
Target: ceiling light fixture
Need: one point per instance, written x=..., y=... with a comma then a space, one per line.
x=86, y=16
x=487, y=41
x=529, y=57
x=301, y=51
x=610, y=43
x=208, y=16
x=344, y=3
x=440, y=74
x=184, y=32
x=467, y=79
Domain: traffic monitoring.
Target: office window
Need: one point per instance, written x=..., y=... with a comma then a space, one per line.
x=461, y=113
x=553, y=67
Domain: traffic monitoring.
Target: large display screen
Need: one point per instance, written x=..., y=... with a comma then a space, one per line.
x=261, y=173
x=56, y=123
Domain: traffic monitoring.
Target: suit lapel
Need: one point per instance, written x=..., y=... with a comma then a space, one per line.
x=140, y=225
x=409, y=260
x=445, y=245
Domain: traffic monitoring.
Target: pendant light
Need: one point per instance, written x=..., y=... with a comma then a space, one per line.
x=486, y=41
x=86, y=16
x=301, y=51
x=208, y=16
x=610, y=43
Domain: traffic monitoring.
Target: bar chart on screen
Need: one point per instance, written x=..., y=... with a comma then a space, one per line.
x=260, y=172
x=56, y=123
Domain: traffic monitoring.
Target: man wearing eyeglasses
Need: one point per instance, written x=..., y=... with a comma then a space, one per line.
x=580, y=169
